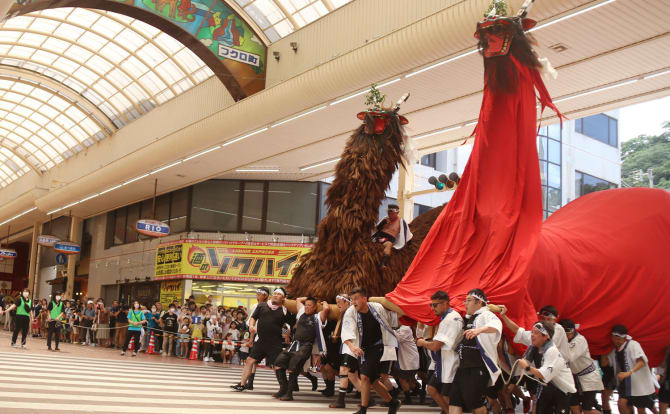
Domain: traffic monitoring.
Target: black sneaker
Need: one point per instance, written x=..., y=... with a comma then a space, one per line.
x=239, y=388
x=56, y=350
x=249, y=387
x=394, y=406
x=49, y=348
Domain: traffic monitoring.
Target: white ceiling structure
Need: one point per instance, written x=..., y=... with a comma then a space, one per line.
x=616, y=55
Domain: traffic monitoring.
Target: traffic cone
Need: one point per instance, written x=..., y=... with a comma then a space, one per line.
x=194, y=350
x=150, y=350
x=131, y=345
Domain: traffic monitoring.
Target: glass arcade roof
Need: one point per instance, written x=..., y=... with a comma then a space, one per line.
x=278, y=18
x=50, y=60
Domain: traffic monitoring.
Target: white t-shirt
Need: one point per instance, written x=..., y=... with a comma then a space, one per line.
x=450, y=333
x=579, y=360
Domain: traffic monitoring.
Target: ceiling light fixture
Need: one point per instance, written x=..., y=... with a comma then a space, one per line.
x=298, y=116
x=603, y=88
x=18, y=215
x=444, y=62
x=439, y=131
x=653, y=75
x=157, y=170
x=234, y=140
x=319, y=164
x=88, y=198
x=260, y=169
x=568, y=16
x=202, y=153
x=139, y=177
x=381, y=85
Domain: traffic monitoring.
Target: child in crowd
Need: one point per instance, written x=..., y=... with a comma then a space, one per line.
x=184, y=336
x=213, y=333
x=228, y=349
x=74, y=324
x=244, y=348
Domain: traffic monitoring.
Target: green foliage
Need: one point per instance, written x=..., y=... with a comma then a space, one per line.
x=644, y=152
x=374, y=98
x=501, y=8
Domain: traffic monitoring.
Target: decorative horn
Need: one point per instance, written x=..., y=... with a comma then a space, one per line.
x=396, y=106
x=523, y=11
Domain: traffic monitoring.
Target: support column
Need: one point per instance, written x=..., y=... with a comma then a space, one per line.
x=72, y=258
x=34, y=257
x=406, y=186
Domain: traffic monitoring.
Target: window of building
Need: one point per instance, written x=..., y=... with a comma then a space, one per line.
x=120, y=226
x=323, y=193
x=291, y=207
x=179, y=210
x=549, y=153
x=133, y=214
x=215, y=206
x=429, y=160
x=585, y=183
x=252, y=206
x=420, y=209
x=600, y=127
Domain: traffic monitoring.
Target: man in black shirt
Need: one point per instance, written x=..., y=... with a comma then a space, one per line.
x=266, y=322
x=170, y=325
x=308, y=332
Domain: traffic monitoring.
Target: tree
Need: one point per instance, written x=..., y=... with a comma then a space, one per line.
x=644, y=152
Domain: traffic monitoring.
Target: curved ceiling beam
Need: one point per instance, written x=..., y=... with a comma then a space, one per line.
x=19, y=156
x=240, y=78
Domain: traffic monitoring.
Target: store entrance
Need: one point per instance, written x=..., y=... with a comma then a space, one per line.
x=229, y=294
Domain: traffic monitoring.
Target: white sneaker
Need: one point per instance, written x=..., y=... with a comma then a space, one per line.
x=134, y=353
x=24, y=347
x=123, y=353
x=14, y=346
x=163, y=353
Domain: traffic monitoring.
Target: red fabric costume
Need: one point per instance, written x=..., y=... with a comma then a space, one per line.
x=486, y=235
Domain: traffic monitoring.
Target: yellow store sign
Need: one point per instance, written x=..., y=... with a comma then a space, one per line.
x=223, y=260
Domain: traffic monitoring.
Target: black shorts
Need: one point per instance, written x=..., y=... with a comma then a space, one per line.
x=641, y=401
x=609, y=380
x=492, y=392
x=441, y=387
x=333, y=356
x=265, y=349
x=349, y=362
x=587, y=400
x=552, y=400
x=294, y=361
x=386, y=367
x=424, y=360
x=407, y=375
x=664, y=394
x=469, y=388
x=370, y=367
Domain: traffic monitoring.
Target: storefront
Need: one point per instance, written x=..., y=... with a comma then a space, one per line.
x=228, y=271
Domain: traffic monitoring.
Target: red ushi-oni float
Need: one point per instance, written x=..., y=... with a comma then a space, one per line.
x=601, y=260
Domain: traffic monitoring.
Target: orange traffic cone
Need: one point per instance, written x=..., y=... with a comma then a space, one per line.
x=131, y=345
x=150, y=350
x=194, y=350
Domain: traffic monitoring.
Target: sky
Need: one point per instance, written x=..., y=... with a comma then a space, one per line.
x=644, y=118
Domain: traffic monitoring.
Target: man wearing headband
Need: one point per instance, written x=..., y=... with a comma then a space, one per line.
x=348, y=361
x=367, y=329
x=392, y=231
x=547, y=314
x=635, y=380
x=586, y=375
x=478, y=356
x=545, y=363
x=308, y=341
x=443, y=349
x=262, y=294
x=266, y=322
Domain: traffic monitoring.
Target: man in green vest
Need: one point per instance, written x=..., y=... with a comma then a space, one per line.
x=23, y=319
x=56, y=313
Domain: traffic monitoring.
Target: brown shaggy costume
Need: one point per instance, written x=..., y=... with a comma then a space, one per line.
x=345, y=255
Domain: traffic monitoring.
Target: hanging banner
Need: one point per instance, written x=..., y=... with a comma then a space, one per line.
x=47, y=240
x=225, y=260
x=171, y=290
x=153, y=228
x=67, y=247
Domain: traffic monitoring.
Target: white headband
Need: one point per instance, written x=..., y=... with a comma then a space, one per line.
x=541, y=328
x=619, y=335
x=344, y=298
x=280, y=291
x=262, y=291
x=476, y=296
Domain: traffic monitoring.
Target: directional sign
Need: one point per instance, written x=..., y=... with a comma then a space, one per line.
x=67, y=247
x=47, y=240
x=7, y=253
x=61, y=259
x=153, y=228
